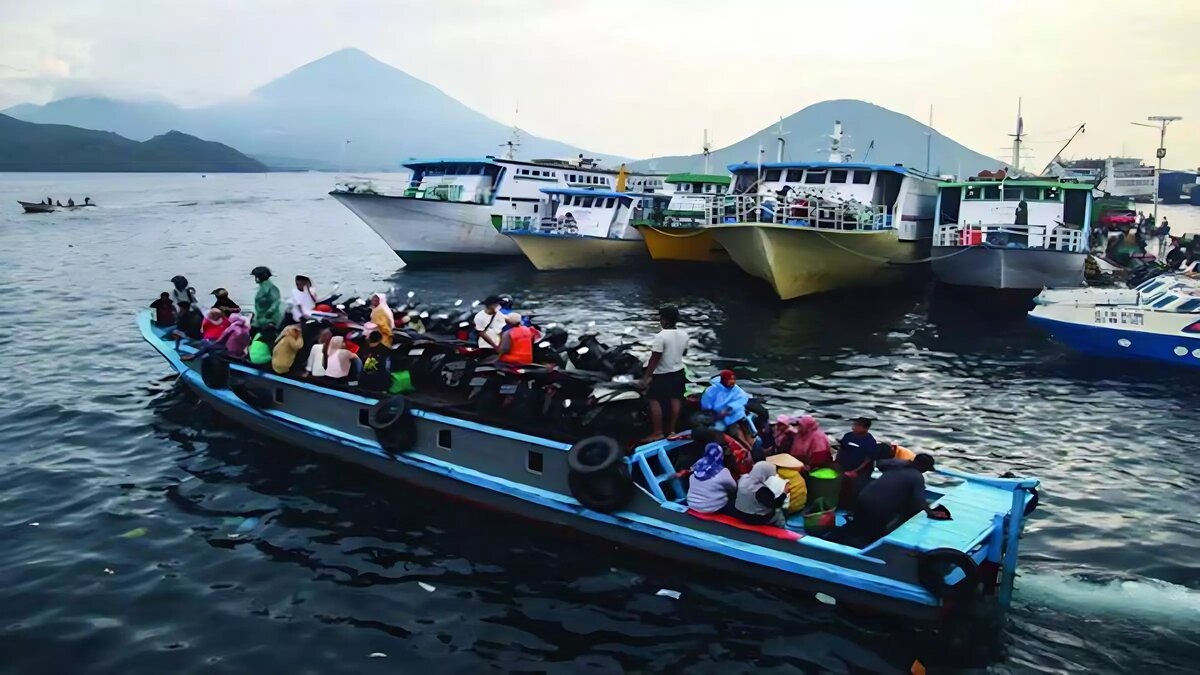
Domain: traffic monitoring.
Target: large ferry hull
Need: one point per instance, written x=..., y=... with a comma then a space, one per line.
x=427, y=230
x=799, y=261
x=548, y=252
x=1007, y=269
x=694, y=245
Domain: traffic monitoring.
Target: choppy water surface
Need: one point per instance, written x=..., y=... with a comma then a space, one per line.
x=142, y=533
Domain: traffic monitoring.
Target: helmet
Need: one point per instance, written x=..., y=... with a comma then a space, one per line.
x=506, y=301
x=179, y=281
x=261, y=273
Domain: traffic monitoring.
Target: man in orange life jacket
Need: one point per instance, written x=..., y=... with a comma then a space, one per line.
x=516, y=343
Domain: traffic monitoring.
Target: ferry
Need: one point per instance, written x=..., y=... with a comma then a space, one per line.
x=1020, y=234
x=453, y=207
x=582, y=229
x=1119, y=177
x=682, y=232
x=813, y=227
x=631, y=496
x=1159, y=320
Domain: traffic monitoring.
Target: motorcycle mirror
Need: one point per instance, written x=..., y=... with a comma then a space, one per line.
x=424, y=315
x=544, y=345
x=411, y=293
x=458, y=302
x=566, y=403
x=551, y=325
x=475, y=304
x=340, y=307
x=464, y=324
x=581, y=350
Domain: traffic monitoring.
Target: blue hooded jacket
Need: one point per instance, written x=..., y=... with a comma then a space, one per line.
x=718, y=397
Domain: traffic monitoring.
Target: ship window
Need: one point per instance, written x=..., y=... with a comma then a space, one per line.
x=837, y=176
x=1031, y=193
x=445, y=441
x=610, y=202
x=1013, y=193
x=279, y=394
x=991, y=192
x=1189, y=306
x=535, y=208
x=862, y=177
x=364, y=417
x=772, y=175
x=533, y=462
x=971, y=193
x=814, y=177
x=1166, y=301
x=586, y=202
x=793, y=176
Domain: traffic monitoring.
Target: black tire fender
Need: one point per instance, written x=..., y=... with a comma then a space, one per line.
x=595, y=454
x=214, y=371
x=933, y=566
x=1033, y=503
x=605, y=492
x=393, y=425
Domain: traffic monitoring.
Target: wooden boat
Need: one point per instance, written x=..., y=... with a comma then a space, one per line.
x=681, y=233
x=35, y=207
x=585, y=229
x=922, y=569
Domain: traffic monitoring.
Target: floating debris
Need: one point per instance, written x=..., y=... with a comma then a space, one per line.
x=376, y=655
x=135, y=533
x=668, y=593
x=826, y=599
x=427, y=587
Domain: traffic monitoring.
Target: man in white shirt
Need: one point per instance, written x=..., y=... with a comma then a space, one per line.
x=489, y=323
x=664, y=375
x=304, y=299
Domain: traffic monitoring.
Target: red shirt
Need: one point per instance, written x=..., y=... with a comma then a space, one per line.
x=212, y=331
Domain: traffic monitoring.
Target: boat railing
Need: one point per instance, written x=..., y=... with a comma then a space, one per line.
x=1050, y=238
x=532, y=224
x=511, y=223
x=799, y=211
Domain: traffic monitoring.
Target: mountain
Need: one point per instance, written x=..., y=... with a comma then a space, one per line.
x=309, y=114
x=898, y=139
x=25, y=146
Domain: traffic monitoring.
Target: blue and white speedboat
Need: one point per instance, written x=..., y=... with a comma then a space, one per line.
x=1158, y=320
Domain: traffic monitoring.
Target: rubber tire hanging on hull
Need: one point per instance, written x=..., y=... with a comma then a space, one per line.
x=393, y=424
x=253, y=398
x=597, y=477
x=214, y=371
x=932, y=571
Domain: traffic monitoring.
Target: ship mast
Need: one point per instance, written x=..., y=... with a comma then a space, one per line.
x=514, y=142
x=837, y=153
x=782, y=141
x=1016, y=147
x=707, y=150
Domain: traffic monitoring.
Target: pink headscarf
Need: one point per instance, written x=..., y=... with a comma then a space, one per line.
x=811, y=445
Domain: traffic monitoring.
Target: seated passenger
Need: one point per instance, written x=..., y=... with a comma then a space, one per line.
x=214, y=324
x=516, y=343
x=187, y=324
x=341, y=363
x=287, y=346
x=383, y=317
x=180, y=290
x=791, y=470
x=164, y=311
x=727, y=403
x=233, y=341
x=376, y=375
x=711, y=486
x=856, y=458
x=810, y=445
x=260, y=346
x=897, y=495
x=760, y=497
x=315, y=366
x=224, y=303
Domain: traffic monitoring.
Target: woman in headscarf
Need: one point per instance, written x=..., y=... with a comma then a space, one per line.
x=213, y=325
x=382, y=317
x=711, y=484
x=283, y=355
x=810, y=445
x=233, y=341
x=727, y=403
x=181, y=292
x=341, y=363
x=317, y=355
x=760, y=496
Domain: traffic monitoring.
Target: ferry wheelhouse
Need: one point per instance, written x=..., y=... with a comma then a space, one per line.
x=453, y=207
x=681, y=233
x=812, y=227
x=1012, y=233
x=581, y=229
x=1159, y=320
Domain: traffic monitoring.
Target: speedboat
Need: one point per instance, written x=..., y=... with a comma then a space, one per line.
x=628, y=494
x=36, y=207
x=1158, y=321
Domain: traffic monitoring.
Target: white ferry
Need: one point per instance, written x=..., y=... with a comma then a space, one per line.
x=1124, y=177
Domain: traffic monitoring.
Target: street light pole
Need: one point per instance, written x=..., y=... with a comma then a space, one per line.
x=1163, y=121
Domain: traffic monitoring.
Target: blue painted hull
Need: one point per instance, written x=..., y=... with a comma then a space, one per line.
x=1124, y=344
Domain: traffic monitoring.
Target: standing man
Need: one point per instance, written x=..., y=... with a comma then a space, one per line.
x=267, y=309
x=304, y=299
x=856, y=456
x=664, y=373
x=489, y=323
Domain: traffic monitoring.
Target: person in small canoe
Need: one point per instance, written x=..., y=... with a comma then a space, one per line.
x=856, y=457
x=213, y=325
x=233, y=341
x=287, y=346
x=180, y=291
x=224, y=302
x=897, y=495
x=711, y=487
x=791, y=470
x=760, y=496
x=727, y=403
x=87, y=201
x=164, y=311
x=810, y=445
x=70, y=201
x=187, y=323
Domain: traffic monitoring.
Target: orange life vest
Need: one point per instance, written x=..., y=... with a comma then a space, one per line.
x=520, y=345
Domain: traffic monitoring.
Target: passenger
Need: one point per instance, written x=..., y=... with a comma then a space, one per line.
x=810, y=445
x=58, y=203
x=315, y=366
x=760, y=496
x=664, y=373
x=376, y=374
x=70, y=201
x=856, y=456
x=383, y=318
x=181, y=291
x=233, y=341
x=87, y=201
x=164, y=311
x=897, y=495
x=304, y=299
x=223, y=301
x=711, y=486
x=341, y=363
x=792, y=471
x=489, y=322
x=516, y=343
x=739, y=458
x=287, y=346
x=727, y=403
x=1177, y=255
x=1163, y=230
x=267, y=309
x=214, y=324
x=188, y=323
x=260, y=346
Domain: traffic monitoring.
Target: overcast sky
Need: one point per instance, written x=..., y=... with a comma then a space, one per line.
x=646, y=77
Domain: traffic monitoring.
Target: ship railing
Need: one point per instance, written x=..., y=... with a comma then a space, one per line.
x=799, y=211
x=1050, y=238
x=533, y=224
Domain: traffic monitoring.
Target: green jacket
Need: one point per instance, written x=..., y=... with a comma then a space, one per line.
x=260, y=351
x=267, y=309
